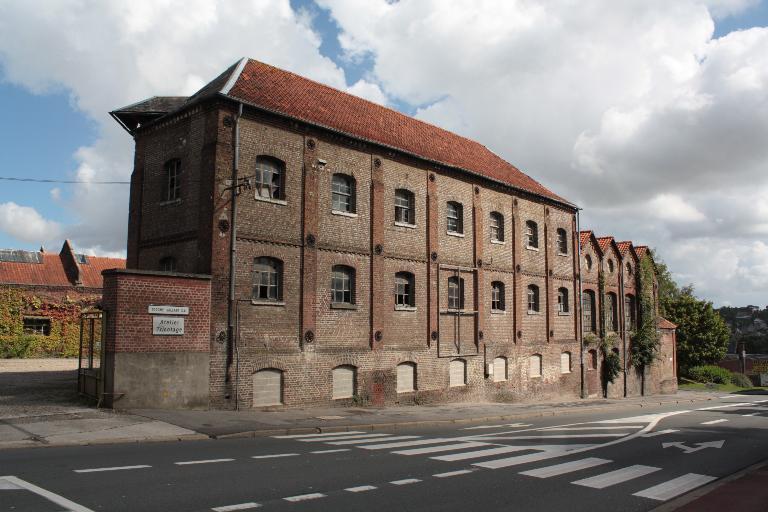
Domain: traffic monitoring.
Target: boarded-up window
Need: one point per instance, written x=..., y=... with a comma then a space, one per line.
x=499, y=369
x=535, y=366
x=592, y=360
x=343, y=381
x=406, y=377
x=565, y=362
x=457, y=373
x=267, y=387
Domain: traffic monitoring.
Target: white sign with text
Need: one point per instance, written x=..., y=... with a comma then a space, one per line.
x=167, y=325
x=168, y=310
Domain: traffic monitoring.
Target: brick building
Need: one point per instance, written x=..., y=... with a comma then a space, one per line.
x=42, y=294
x=355, y=254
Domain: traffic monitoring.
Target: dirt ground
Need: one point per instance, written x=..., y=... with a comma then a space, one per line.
x=39, y=387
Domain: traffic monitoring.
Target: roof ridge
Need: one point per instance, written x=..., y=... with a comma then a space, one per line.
x=235, y=75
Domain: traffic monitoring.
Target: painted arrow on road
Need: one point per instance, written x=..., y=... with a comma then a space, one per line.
x=699, y=446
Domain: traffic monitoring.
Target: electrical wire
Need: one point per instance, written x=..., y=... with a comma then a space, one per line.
x=40, y=180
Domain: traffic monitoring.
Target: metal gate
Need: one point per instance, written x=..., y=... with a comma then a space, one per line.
x=90, y=377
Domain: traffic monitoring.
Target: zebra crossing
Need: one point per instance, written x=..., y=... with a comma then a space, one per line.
x=492, y=451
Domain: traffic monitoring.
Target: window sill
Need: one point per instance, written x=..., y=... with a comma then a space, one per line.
x=405, y=308
x=498, y=242
x=172, y=202
x=498, y=312
x=529, y=248
x=563, y=313
x=343, y=305
x=281, y=202
x=344, y=214
x=535, y=376
x=565, y=254
x=405, y=225
x=455, y=233
x=278, y=303
x=566, y=373
x=534, y=312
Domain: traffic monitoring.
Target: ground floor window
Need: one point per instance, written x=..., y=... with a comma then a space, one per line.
x=457, y=373
x=37, y=325
x=343, y=381
x=500, y=369
x=406, y=377
x=267, y=387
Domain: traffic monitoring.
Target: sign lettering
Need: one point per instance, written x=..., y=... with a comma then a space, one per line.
x=167, y=325
x=168, y=310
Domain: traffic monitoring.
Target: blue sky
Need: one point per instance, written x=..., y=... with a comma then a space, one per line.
x=46, y=122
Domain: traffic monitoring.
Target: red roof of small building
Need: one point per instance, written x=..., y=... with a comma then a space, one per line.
x=604, y=242
x=624, y=247
x=663, y=323
x=52, y=270
x=276, y=90
x=584, y=236
x=641, y=250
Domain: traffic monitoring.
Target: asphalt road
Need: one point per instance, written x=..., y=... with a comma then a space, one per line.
x=631, y=460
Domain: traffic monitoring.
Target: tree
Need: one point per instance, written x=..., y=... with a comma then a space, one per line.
x=668, y=288
x=702, y=335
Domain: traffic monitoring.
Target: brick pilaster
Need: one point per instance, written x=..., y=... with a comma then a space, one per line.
x=378, y=289
x=309, y=247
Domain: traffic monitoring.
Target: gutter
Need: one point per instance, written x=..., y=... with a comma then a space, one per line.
x=578, y=305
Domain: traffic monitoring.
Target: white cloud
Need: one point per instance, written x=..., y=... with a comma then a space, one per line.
x=673, y=208
x=368, y=91
x=25, y=223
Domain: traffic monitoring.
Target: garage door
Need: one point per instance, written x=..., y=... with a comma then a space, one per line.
x=267, y=387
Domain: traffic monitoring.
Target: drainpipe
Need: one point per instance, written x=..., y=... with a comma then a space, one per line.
x=231, y=312
x=623, y=302
x=577, y=306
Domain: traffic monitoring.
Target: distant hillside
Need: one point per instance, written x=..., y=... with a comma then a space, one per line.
x=749, y=325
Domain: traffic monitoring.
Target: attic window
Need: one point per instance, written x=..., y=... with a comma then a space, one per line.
x=16, y=256
x=81, y=259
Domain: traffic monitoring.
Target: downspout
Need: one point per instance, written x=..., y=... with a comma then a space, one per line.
x=231, y=313
x=624, y=323
x=577, y=307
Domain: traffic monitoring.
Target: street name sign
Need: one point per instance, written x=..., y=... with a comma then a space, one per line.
x=168, y=310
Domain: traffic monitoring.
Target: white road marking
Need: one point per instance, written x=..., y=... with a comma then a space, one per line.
x=70, y=506
x=406, y=481
x=406, y=443
x=616, y=427
x=519, y=459
x=301, y=436
x=342, y=438
x=740, y=404
x=209, y=461
x=304, y=497
x=361, y=488
x=443, y=448
x=481, y=453
x=660, y=432
x=331, y=451
x=363, y=441
x=560, y=436
x=714, y=422
x=675, y=487
x=116, y=468
x=616, y=477
x=241, y=506
x=509, y=425
x=274, y=456
x=452, y=473
x=752, y=414
x=565, y=467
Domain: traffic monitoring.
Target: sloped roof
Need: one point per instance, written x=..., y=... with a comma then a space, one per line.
x=624, y=247
x=663, y=323
x=584, y=236
x=641, y=250
x=604, y=242
x=275, y=90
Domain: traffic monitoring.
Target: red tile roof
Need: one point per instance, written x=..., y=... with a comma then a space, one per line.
x=604, y=242
x=641, y=250
x=663, y=323
x=52, y=271
x=624, y=247
x=584, y=236
x=286, y=93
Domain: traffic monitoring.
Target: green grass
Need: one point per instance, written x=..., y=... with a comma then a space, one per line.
x=726, y=388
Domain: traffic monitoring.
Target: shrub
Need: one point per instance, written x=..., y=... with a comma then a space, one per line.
x=18, y=346
x=710, y=373
x=612, y=366
x=741, y=380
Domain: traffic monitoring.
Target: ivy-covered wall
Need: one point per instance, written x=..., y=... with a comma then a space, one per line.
x=61, y=307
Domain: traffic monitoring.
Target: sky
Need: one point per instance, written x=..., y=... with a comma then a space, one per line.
x=651, y=115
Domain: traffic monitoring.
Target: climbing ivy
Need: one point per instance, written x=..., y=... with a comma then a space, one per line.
x=645, y=340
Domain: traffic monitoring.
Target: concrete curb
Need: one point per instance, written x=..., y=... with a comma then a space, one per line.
x=10, y=445
x=426, y=423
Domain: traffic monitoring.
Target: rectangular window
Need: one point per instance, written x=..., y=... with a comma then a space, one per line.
x=37, y=325
x=173, y=180
x=454, y=218
x=404, y=207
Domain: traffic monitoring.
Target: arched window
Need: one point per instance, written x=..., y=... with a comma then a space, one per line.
x=610, y=309
x=457, y=373
x=531, y=234
x=563, y=304
x=565, y=362
x=267, y=387
x=534, y=369
x=497, y=296
x=629, y=312
x=168, y=264
x=404, y=290
x=406, y=377
x=455, y=217
x=500, y=369
x=269, y=176
x=404, y=207
x=342, y=285
x=588, y=261
x=562, y=241
x=533, y=298
x=267, y=279
x=343, y=193
x=455, y=292
x=588, y=311
x=344, y=384
x=629, y=269
x=172, y=183
x=592, y=360
x=497, y=227
x=610, y=266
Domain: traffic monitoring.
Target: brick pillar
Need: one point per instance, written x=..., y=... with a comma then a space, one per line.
x=377, y=249
x=309, y=246
x=477, y=227
x=520, y=303
x=207, y=227
x=433, y=257
x=548, y=258
x=134, y=205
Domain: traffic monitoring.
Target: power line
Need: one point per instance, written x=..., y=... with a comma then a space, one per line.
x=37, y=180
